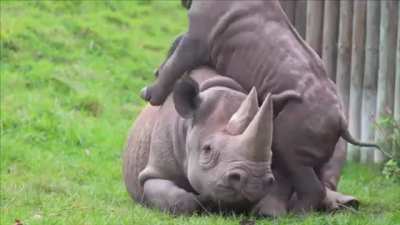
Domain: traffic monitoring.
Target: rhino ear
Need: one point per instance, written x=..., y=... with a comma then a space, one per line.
x=186, y=97
x=186, y=3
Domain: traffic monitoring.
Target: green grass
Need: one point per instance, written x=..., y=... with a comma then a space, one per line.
x=70, y=77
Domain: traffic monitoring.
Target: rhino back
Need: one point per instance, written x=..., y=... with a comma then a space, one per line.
x=254, y=44
x=137, y=150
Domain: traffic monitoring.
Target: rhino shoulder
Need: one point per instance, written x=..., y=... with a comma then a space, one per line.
x=137, y=149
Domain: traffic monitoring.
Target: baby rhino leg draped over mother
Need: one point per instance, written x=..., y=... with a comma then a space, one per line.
x=190, y=53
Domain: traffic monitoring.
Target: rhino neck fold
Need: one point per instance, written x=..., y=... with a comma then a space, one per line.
x=179, y=136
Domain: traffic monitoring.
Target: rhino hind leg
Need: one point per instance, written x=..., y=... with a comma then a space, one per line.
x=310, y=191
x=337, y=201
x=270, y=206
x=330, y=171
x=275, y=203
x=330, y=176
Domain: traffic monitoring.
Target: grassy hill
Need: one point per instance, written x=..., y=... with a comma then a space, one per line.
x=70, y=77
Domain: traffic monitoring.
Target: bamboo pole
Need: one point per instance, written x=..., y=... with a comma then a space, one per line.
x=397, y=88
x=370, y=78
x=344, y=51
x=329, y=40
x=289, y=7
x=386, y=74
x=396, y=112
x=314, y=24
x=300, y=17
x=356, y=77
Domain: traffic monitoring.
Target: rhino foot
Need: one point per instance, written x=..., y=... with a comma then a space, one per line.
x=153, y=94
x=166, y=196
x=270, y=206
x=183, y=203
x=335, y=201
x=144, y=94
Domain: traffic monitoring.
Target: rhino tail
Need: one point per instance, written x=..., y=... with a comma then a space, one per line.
x=345, y=134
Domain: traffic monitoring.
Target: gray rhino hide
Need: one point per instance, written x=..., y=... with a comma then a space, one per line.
x=254, y=43
x=157, y=130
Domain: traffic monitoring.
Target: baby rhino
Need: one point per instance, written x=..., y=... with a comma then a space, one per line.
x=208, y=145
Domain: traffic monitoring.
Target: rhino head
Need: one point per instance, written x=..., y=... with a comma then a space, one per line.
x=228, y=142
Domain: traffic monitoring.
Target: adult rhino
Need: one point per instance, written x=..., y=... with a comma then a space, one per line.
x=205, y=146
x=254, y=43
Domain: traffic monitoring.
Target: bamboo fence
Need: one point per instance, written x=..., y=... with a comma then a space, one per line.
x=359, y=42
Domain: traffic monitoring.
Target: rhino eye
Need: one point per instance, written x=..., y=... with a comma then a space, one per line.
x=208, y=157
x=207, y=148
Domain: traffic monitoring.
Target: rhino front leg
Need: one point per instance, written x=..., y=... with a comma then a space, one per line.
x=275, y=203
x=166, y=196
x=309, y=190
x=190, y=53
x=171, y=51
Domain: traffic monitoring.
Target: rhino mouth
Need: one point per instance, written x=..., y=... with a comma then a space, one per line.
x=227, y=194
x=243, y=181
x=251, y=192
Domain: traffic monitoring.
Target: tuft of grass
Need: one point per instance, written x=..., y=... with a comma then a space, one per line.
x=90, y=104
x=71, y=72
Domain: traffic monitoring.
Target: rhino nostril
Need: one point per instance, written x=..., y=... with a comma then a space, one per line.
x=270, y=181
x=234, y=177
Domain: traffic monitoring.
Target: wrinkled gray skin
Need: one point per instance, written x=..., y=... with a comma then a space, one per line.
x=254, y=43
x=208, y=148
x=206, y=153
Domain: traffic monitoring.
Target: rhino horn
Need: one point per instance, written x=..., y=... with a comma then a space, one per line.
x=257, y=137
x=243, y=116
